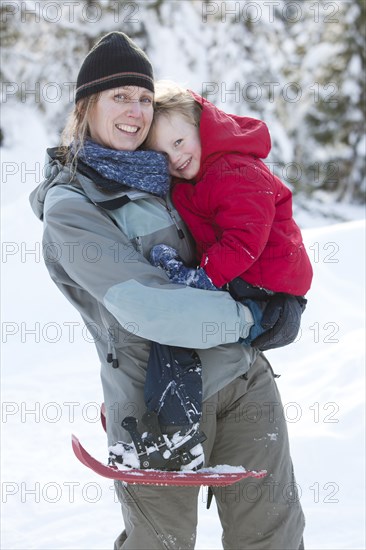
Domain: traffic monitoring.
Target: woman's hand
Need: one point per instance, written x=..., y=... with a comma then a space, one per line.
x=281, y=321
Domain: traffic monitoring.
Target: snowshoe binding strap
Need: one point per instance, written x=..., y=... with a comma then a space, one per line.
x=161, y=452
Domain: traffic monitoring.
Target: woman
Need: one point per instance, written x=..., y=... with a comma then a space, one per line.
x=104, y=206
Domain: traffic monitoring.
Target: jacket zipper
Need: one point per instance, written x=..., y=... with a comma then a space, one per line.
x=171, y=214
x=139, y=245
x=112, y=354
x=111, y=351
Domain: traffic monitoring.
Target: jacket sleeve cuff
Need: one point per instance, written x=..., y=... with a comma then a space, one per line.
x=246, y=320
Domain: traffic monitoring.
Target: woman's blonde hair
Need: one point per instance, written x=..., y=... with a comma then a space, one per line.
x=77, y=128
x=171, y=98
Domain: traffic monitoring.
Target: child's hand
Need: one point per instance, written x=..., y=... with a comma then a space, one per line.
x=160, y=254
x=197, y=278
x=167, y=258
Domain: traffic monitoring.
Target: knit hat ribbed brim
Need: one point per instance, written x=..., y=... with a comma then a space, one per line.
x=114, y=61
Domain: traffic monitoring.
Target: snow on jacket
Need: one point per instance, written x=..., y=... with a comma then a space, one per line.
x=238, y=212
x=97, y=258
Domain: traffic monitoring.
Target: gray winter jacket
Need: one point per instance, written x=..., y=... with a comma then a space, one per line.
x=95, y=252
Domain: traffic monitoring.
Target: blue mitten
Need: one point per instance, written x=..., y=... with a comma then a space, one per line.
x=160, y=254
x=167, y=258
x=197, y=278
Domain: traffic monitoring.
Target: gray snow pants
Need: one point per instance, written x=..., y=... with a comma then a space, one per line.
x=245, y=425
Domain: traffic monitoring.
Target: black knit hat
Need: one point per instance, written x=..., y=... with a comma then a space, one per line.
x=114, y=61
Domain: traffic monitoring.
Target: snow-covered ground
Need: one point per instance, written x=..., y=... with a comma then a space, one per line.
x=51, y=388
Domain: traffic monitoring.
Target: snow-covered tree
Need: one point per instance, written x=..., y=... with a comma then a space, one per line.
x=296, y=65
x=336, y=120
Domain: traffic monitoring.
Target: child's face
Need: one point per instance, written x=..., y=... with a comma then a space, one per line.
x=180, y=140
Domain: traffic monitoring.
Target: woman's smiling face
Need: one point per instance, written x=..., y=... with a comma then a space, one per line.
x=121, y=117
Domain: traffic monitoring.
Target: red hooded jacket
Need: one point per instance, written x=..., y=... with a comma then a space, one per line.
x=239, y=213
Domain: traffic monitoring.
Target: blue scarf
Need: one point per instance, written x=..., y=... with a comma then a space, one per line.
x=144, y=170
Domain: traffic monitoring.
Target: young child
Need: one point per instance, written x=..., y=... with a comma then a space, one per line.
x=239, y=213
x=240, y=216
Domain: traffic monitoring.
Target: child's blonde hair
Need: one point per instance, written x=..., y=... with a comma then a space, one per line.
x=171, y=98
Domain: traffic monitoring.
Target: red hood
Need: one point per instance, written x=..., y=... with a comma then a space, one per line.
x=224, y=133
